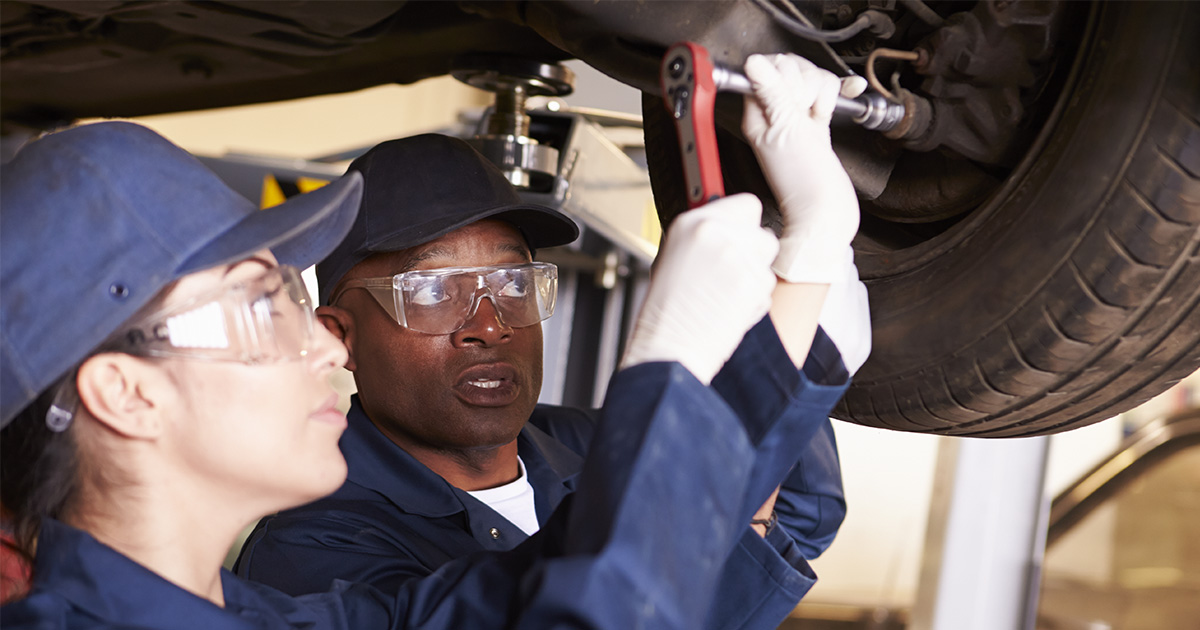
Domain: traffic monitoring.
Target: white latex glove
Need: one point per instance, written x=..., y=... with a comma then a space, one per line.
x=712, y=282
x=846, y=316
x=787, y=124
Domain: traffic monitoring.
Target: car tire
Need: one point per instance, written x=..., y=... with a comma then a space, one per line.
x=1073, y=293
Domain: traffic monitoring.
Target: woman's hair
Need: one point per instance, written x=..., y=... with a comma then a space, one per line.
x=40, y=468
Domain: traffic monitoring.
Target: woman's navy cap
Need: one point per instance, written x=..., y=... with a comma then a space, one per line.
x=419, y=188
x=97, y=219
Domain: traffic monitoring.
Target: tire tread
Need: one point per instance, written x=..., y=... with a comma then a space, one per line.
x=1101, y=338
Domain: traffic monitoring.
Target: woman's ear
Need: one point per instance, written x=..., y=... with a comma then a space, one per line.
x=121, y=392
x=340, y=322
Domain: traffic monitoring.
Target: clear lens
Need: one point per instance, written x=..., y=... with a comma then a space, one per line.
x=440, y=301
x=266, y=319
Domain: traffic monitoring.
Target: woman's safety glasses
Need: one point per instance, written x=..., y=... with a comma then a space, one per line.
x=263, y=320
x=441, y=301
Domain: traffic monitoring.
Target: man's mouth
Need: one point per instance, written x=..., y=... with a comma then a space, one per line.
x=488, y=385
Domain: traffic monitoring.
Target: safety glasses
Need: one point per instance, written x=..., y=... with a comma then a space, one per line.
x=441, y=301
x=264, y=320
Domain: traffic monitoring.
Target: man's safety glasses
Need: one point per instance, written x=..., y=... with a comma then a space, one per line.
x=263, y=320
x=441, y=301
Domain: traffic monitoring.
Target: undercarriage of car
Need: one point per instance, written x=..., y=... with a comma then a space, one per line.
x=1030, y=232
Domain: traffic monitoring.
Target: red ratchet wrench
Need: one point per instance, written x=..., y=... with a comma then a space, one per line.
x=690, y=82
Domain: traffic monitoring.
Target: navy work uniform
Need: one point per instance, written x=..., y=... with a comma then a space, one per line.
x=667, y=445
x=395, y=519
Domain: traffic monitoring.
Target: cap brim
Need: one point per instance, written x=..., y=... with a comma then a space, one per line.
x=300, y=231
x=541, y=227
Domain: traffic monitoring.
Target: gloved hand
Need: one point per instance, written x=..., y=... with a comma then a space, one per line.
x=712, y=282
x=846, y=316
x=787, y=124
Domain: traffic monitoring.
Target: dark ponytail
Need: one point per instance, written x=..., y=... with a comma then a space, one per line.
x=39, y=472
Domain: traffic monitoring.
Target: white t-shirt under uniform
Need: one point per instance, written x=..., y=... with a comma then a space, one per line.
x=513, y=501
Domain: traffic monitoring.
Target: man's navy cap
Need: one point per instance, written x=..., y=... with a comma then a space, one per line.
x=419, y=188
x=97, y=219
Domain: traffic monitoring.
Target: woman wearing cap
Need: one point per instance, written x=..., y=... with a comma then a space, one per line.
x=164, y=385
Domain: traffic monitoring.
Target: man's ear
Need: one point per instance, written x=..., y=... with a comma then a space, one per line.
x=119, y=391
x=340, y=322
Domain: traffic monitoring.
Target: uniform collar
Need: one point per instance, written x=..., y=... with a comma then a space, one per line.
x=108, y=585
x=378, y=464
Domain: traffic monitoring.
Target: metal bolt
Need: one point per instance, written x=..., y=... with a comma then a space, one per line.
x=676, y=68
x=681, y=102
x=509, y=117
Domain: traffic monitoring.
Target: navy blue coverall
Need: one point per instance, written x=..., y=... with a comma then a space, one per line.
x=395, y=519
x=667, y=449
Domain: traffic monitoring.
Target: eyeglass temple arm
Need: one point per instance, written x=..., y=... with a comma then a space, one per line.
x=379, y=288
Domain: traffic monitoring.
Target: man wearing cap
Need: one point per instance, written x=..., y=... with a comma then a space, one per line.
x=436, y=297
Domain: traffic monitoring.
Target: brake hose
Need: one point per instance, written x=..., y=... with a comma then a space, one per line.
x=887, y=53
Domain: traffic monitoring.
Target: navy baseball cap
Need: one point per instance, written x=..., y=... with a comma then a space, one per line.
x=419, y=188
x=99, y=218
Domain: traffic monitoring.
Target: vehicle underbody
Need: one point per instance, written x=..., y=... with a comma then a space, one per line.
x=1030, y=233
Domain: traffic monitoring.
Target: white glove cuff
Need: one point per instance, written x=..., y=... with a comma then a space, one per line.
x=703, y=368
x=804, y=259
x=846, y=318
x=669, y=341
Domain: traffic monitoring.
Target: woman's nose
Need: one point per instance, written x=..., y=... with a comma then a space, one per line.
x=328, y=352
